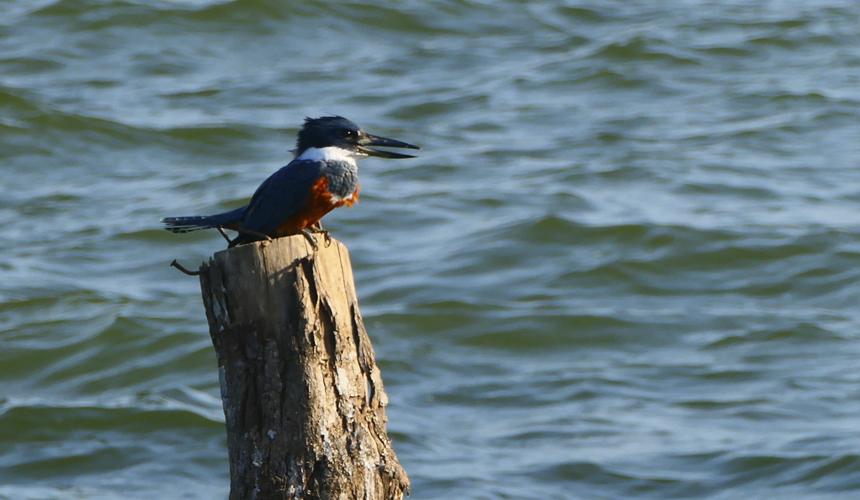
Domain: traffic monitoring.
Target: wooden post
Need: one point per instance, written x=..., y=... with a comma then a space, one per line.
x=302, y=394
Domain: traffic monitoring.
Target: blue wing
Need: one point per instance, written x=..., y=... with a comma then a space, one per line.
x=279, y=197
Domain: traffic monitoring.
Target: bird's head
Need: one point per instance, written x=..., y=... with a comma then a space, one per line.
x=338, y=132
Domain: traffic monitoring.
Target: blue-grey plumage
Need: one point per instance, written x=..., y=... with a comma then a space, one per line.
x=322, y=177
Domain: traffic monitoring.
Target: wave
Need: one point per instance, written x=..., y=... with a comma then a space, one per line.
x=89, y=15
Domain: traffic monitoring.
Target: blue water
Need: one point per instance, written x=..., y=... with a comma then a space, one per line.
x=624, y=266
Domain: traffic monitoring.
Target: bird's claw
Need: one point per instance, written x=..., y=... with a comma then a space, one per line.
x=307, y=234
x=317, y=229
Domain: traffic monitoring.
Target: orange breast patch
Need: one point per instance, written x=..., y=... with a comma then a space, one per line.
x=318, y=203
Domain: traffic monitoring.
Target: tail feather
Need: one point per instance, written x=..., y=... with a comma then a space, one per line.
x=186, y=224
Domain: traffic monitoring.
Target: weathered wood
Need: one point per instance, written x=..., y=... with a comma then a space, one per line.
x=302, y=394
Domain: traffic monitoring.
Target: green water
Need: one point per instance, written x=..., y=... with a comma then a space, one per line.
x=625, y=265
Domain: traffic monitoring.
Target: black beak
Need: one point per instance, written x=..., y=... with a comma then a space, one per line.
x=372, y=140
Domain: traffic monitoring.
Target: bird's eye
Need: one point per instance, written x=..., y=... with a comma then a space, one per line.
x=348, y=134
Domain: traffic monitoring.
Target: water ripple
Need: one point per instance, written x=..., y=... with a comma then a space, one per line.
x=624, y=265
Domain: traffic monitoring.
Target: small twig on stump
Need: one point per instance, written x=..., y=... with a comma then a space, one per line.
x=224, y=234
x=177, y=265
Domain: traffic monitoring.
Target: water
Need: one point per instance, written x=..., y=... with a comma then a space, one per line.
x=625, y=265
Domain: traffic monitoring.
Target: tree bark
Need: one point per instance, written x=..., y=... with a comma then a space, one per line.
x=302, y=394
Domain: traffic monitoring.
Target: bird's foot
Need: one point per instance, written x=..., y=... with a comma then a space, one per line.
x=317, y=229
x=307, y=234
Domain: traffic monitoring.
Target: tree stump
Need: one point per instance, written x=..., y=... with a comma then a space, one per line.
x=302, y=394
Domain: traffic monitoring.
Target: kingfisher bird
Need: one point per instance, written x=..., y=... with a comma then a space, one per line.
x=322, y=177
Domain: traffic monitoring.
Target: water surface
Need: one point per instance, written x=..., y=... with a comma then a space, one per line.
x=624, y=266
